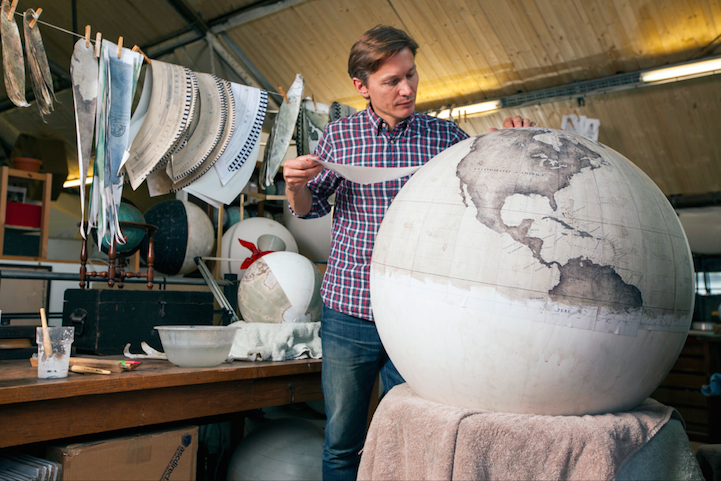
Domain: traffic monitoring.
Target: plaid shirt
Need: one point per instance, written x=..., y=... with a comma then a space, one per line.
x=363, y=139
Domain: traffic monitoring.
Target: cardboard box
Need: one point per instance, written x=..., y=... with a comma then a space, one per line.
x=161, y=455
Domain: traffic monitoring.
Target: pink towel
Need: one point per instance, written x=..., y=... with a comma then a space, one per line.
x=414, y=439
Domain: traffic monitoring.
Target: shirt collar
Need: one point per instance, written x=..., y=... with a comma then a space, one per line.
x=379, y=125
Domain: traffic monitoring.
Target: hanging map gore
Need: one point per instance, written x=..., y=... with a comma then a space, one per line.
x=233, y=169
x=205, y=136
x=221, y=146
x=38, y=65
x=281, y=133
x=117, y=81
x=250, y=108
x=13, y=61
x=205, y=133
x=169, y=96
x=313, y=117
x=84, y=76
x=339, y=110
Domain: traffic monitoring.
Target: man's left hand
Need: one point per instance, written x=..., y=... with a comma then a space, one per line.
x=517, y=121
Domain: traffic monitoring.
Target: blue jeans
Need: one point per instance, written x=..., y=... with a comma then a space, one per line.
x=352, y=357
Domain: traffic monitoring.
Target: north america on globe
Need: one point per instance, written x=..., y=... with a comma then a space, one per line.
x=540, y=162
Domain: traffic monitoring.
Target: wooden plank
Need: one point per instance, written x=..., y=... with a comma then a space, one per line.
x=693, y=415
x=4, y=172
x=19, y=383
x=615, y=44
x=37, y=421
x=688, y=363
x=697, y=432
x=489, y=47
x=679, y=397
x=688, y=381
x=45, y=219
x=692, y=348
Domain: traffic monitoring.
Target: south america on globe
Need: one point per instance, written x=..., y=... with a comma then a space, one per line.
x=532, y=271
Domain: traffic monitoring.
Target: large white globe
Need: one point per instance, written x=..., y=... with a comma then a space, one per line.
x=532, y=271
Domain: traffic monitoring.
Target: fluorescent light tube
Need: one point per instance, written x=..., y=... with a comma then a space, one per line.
x=695, y=68
x=76, y=182
x=470, y=109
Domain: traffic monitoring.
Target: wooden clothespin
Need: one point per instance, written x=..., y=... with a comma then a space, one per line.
x=35, y=17
x=315, y=107
x=282, y=92
x=137, y=49
x=98, y=44
x=465, y=116
x=120, y=47
x=11, y=12
x=87, y=36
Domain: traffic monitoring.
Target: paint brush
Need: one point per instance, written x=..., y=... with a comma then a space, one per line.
x=46, y=334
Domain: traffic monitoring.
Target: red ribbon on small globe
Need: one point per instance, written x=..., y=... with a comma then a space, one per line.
x=255, y=253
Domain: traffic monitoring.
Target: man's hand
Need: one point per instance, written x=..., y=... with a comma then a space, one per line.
x=516, y=121
x=298, y=172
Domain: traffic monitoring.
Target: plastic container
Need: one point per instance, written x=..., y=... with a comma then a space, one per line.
x=54, y=364
x=197, y=346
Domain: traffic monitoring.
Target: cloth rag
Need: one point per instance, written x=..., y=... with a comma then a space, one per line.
x=412, y=438
x=259, y=341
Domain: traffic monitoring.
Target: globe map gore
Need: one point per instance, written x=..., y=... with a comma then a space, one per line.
x=543, y=164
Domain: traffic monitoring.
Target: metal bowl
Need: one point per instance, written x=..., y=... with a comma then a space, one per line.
x=197, y=346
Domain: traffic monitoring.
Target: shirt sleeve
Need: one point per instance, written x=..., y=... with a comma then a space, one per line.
x=323, y=185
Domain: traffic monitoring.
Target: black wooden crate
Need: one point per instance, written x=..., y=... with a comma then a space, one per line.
x=106, y=320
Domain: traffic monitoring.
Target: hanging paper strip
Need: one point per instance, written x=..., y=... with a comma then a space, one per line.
x=84, y=76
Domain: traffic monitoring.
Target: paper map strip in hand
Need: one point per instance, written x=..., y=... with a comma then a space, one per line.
x=211, y=121
x=38, y=66
x=281, y=133
x=13, y=61
x=174, y=94
x=369, y=175
x=84, y=76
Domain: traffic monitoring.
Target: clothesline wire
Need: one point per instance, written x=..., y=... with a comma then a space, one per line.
x=93, y=41
x=55, y=27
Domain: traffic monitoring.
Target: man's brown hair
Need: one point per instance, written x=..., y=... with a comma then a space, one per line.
x=373, y=47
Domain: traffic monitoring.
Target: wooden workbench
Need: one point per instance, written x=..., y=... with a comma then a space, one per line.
x=34, y=410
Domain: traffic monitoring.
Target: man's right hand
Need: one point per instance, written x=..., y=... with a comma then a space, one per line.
x=298, y=172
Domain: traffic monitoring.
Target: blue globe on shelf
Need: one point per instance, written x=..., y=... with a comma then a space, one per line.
x=135, y=235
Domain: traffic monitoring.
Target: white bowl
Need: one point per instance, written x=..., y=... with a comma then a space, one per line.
x=197, y=346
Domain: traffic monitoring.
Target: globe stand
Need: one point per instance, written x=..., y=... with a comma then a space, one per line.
x=116, y=265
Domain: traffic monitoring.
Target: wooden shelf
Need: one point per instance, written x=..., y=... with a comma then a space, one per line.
x=260, y=195
x=6, y=173
x=23, y=228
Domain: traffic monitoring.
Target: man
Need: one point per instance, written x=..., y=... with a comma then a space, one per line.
x=389, y=133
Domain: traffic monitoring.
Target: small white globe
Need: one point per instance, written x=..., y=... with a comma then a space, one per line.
x=251, y=230
x=281, y=287
x=532, y=271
